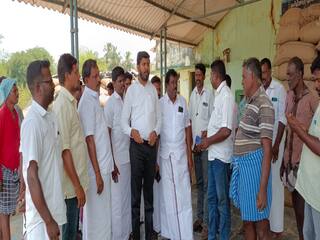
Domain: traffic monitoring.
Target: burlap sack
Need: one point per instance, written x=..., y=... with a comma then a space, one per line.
x=305, y=51
x=291, y=16
x=280, y=72
x=318, y=46
x=288, y=33
x=310, y=14
x=311, y=32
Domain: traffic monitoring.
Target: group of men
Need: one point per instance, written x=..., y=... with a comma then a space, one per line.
x=77, y=154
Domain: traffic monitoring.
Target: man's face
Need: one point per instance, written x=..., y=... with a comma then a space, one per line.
x=127, y=83
x=119, y=85
x=74, y=77
x=157, y=85
x=247, y=81
x=199, y=78
x=110, y=91
x=144, y=69
x=266, y=75
x=214, y=79
x=294, y=76
x=172, y=86
x=94, y=80
x=47, y=86
x=13, y=97
x=316, y=78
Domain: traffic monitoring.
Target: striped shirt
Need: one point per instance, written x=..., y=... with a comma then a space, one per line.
x=256, y=123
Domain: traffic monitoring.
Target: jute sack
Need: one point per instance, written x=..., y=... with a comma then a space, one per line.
x=280, y=72
x=305, y=51
x=288, y=33
x=318, y=46
x=310, y=14
x=291, y=16
x=311, y=32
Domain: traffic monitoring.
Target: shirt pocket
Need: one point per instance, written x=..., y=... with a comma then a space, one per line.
x=204, y=110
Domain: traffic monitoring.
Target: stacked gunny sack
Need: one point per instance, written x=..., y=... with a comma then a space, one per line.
x=299, y=35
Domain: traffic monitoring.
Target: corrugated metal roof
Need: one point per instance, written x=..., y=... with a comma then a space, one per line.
x=146, y=17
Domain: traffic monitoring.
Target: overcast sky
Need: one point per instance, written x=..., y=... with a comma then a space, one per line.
x=24, y=26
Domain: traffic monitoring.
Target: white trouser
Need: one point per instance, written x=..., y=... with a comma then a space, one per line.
x=40, y=232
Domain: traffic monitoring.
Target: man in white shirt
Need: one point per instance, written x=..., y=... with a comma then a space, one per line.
x=200, y=108
x=277, y=95
x=141, y=120
x=120, y=190
x=74, y=151
x=42, y=163
x=97, y=210
x=175, y=163
x=220, y=145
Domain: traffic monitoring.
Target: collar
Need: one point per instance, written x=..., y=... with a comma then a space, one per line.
x=272, y=84
x=91, y=92
x=256, y=94
x=202, y=91
x=38, y=108
x=169, y=100
x=67, y=94
x=116, y=95
x=222, y=84
x=305, y=92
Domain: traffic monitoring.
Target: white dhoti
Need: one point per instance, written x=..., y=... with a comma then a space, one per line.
x=97, y=211
x=121, y=204
x=175, y=192
x=40, y=232
x=277, y=204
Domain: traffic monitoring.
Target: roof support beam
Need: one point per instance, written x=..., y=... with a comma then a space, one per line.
x=111, y=21
x=214, y=13
x=178, y=14
x=169, y=17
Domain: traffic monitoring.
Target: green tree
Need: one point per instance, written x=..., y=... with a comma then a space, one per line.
x=19, y=61
x=112, y=56
x=127, y=63
x=85, y=54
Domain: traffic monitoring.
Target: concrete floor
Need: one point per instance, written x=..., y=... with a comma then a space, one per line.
x=290, y=225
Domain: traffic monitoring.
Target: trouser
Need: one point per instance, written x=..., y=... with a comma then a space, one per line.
x=143, y=160
x=69, y=229
x=311, y=224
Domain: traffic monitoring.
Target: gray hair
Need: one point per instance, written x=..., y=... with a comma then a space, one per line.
x=253, y=65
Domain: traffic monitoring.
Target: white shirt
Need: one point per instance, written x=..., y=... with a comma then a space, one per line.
x=175, y=119
x=94, y=124
x=40, y=142
x=222, y=117
x=120, y=141
x=200, y=109
x=141, y=108
x=277, y=95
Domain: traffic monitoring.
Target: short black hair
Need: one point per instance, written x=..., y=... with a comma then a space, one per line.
x=219, y=67
x=266, y=61
x=315, y=64
x=253, y=64
x=142, y=54
x=297, y=62
x=201, y=67
x=110, y=86
x=128, y=75
x=116, y=72
x=34, y=73
x=65, y=64
x=228, y=80
x=2, y=78
x=87, y=66
x=155, y=79
x=170, y=73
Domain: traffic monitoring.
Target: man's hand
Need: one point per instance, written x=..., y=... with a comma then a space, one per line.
x=152, y=138
x=196, y=149
x=136, y=136
x=275, y=152
x=294, y=123
x=282, y=169
x=99, y=182
x=204, y=134
x=262, y=200
x=204, y=144
x=115, y=173
x=81, y=196
x=53, y=230
x=157, y=167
